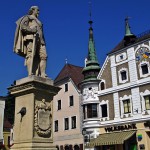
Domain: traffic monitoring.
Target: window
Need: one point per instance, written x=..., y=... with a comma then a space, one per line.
x=121, y=57
x=144, y=68
x=71, y=101
x=123, y=75
x=66, y=123
x=147, y=102
x=102, y=86
x=66, y=87
x=73, y=121
x=59, y=104
x=76, y=147
x=84, y=111
x=56, y=125
x=104, y=110
x=67, y=147
x=91, y=110
x=8, y=140
x=126, y=105
x=87, y=138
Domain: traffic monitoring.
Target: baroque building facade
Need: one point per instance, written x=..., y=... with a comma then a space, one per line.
x=123, y=98
x=67, y=112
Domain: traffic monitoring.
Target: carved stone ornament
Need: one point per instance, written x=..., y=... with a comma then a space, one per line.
x=43, y=119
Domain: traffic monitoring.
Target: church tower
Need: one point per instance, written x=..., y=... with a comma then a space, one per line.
x=90, y=87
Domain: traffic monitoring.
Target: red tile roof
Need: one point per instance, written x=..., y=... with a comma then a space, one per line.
x=70, y=71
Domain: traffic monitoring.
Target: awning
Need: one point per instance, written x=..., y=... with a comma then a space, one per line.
x=111, y=138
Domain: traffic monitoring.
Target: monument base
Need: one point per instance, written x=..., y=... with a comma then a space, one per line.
x=33, y=113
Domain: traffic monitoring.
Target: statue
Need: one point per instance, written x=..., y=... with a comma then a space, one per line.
x=30, y=43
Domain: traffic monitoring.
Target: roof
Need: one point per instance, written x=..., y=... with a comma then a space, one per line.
x=70, y=71
x=111, y=138
x=137, y=39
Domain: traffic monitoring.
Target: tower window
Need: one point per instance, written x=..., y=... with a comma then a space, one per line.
x=91, y=110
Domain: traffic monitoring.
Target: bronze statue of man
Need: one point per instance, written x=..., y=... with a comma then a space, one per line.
x=30, y=43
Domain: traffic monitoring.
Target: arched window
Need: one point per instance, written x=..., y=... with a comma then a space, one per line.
x=102, y=85
x=67, y=147
x=76, y=147
x=57, y=147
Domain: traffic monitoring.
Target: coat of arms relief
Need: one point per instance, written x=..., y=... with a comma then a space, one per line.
x=43, y=119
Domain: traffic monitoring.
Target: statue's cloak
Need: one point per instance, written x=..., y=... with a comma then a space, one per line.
x=19, y=47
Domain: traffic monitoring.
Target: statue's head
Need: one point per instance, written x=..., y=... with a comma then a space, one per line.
x=34, y=9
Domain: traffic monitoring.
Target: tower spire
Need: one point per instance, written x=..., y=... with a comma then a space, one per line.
x=127, y=27
x=129, y=36
x=92, y=67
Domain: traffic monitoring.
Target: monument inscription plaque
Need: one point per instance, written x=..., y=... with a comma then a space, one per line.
x=43, y=119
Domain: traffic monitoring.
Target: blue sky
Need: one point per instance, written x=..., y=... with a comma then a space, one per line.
x=66, y=31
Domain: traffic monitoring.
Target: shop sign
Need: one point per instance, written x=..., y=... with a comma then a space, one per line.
x=121, y=127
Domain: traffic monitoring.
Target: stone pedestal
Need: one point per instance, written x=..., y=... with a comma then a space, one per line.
x=33, y=113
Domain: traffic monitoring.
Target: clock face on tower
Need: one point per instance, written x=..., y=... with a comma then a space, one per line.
x=142, y=53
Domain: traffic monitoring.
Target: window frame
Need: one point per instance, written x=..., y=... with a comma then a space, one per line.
x=143, y=95
x=91, y=111
x=120, y=75
x=59, y=104
x=71, y=98
x=66, y=87
x=100, y=85
x=125, y=97
x=66, y=123
x=104, y=102
x=128, y=106
x=55, y=128
x=146, y=103
x=73, y=125
x=141, y=71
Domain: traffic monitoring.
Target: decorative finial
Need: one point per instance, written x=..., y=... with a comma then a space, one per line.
x=90, y=13
x=66, y=61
